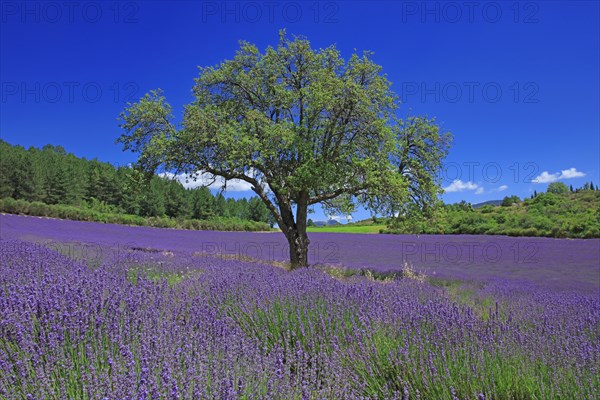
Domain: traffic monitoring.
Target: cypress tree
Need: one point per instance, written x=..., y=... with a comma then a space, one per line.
x=203, y=203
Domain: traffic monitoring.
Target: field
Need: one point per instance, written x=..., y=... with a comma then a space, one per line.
x=92, y=310
x=347, y=228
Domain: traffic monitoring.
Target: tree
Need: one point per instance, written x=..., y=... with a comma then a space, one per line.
x=243, y=208
x=220, y=205
x=93, y=180
x=108, y=190
x=203, y=203
x=231, y=207
x=557, y=188
x=301, y=127
x=460, y=206
x=129, y=199
x=257, y=210
x=510, y=200
x=176, y=201
x=57, y=185
x=151, y=202
x=6, y=173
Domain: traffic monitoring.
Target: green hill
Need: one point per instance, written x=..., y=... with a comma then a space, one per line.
x=558, y=213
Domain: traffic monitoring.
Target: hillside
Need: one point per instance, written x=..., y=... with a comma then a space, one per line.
x=570, y=214
x=488, y=203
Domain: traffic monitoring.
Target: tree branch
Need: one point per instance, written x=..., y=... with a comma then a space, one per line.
x=332, y=195
x=256, y=188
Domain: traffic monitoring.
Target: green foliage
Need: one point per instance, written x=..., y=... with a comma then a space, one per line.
x=203, y=204
x=510, y=200
x=557, y=188
x=53, y=176
x=348, y=228
x=152, y=204
x=100, y=212
x=257, y=211
x=568, y=214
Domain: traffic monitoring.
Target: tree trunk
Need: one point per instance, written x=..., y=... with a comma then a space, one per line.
x=295, y=229
x=298, y=242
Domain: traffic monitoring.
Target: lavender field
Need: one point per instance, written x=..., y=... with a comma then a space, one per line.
x=92, y=311
x=558, y=264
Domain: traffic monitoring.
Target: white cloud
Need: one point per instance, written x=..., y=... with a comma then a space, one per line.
x=571, y=173
x=546, y=177
x=340, y=218
x=459, y=186
x=481, y=190
x=501, y=188
x=204, y=179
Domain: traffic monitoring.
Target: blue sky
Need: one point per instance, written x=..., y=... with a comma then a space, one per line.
x=517, y=83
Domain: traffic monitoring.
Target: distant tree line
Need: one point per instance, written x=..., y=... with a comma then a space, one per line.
x=55, y=177
x=561, y=211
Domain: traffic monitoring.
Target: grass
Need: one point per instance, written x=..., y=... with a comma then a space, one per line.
x=467, y=294
x=153, y=273
x=512, y=377
x=347, y=228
